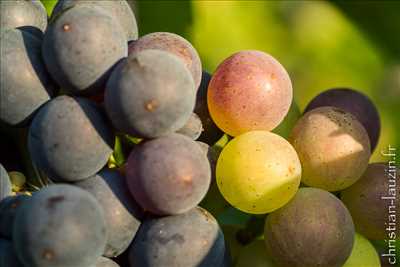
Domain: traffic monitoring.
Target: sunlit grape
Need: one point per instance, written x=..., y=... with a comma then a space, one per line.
x=249, y=91
x=258, y=172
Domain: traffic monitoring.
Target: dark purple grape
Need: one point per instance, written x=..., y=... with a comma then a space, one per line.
x=25, y=84
x=172, y=43
x=69, y=139
x=22, y=13
x=8, y=209
x=150, y=94
x=5, y=183
x=118, y=10
x=61, y=225
x=81, y=46
x=168, y=175
x=191, y=239
x=211, y=133
x=192, y=128
x=121, y=211
x=355, y=103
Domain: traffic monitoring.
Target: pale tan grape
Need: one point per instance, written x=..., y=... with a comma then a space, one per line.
x=333, y=147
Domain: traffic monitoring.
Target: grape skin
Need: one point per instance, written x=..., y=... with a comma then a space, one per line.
x=150, y=94
x=122, y=214
x=174, y=44
x=168, y=175
x=249, y=91
x=69, y=139
x=191, y=239
x=333, y=147
x=313, y=229
x=61, y=226
x=258, y=172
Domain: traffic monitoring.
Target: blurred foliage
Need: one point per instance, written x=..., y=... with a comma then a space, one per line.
x=162, y=15
x=379, y=20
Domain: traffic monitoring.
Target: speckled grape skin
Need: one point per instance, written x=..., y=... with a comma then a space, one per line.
x=69, y=139
x=354, y=102
x=80, y=48
x=5, y=183
x=192, y=239
x=168, y=175
x=150, y=94
x=172, y=43
x=122, y=214
x=313, y=229
x=119, y=10
x=22, y=13
x=25, y=84
x=258, y=172
x=364, y=200
x=250, y=90
x=61, y=226
x=333, y=148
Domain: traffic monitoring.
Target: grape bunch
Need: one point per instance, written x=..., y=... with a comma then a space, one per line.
x=128, y=153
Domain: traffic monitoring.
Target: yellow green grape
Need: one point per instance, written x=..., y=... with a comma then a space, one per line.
x=258, y=172
x=363, y=254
